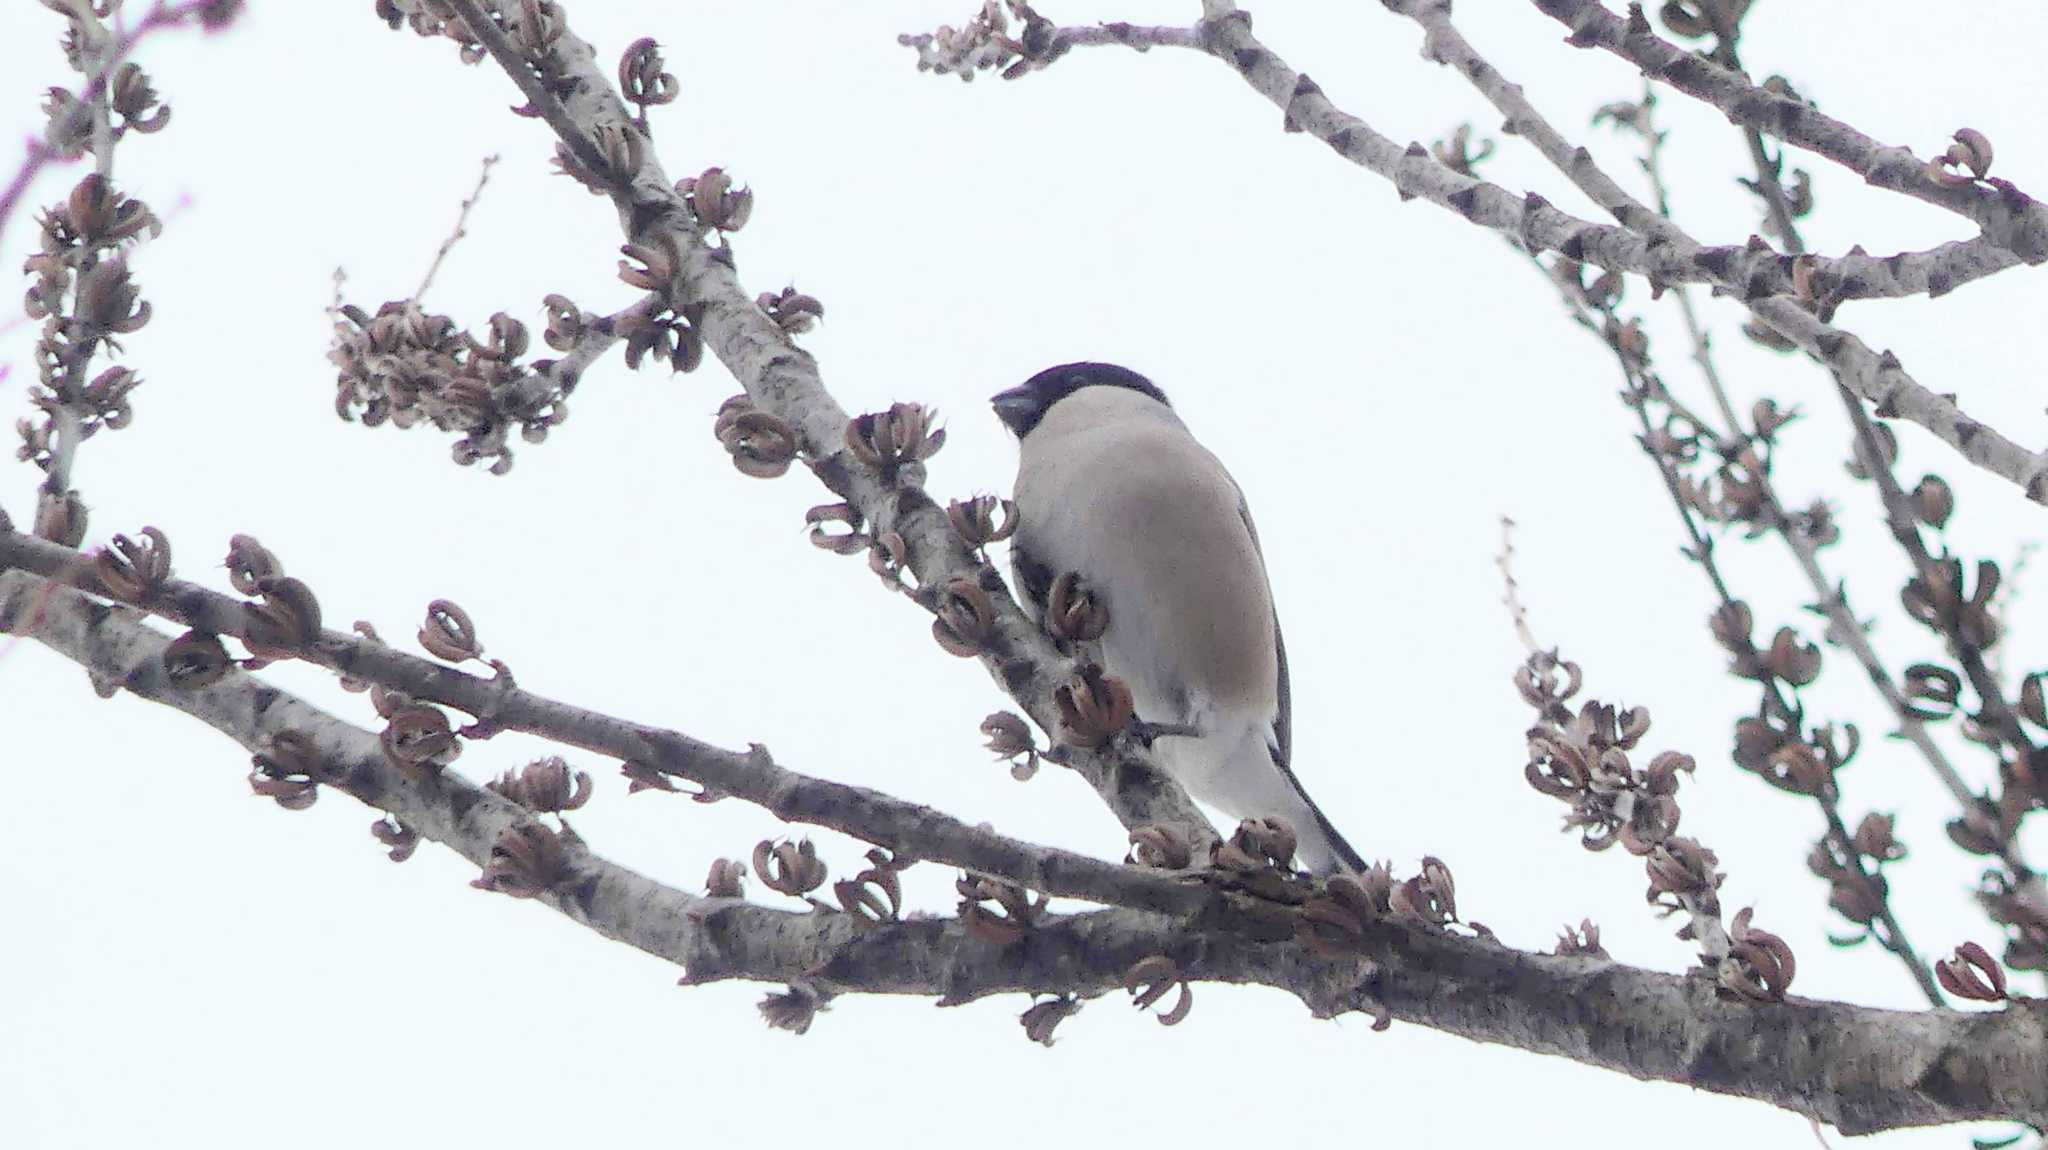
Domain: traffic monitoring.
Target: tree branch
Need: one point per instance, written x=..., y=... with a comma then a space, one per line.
x=784, y=381
x=1858, y=1068
x=2015, y=226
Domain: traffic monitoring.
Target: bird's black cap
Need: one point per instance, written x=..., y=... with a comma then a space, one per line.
x=1021, y=407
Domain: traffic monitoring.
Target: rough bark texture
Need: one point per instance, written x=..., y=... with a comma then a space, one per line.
x=1857, y=1068
x=1645, y=244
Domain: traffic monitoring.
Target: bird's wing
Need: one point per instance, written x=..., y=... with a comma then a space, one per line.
x=1282, y=745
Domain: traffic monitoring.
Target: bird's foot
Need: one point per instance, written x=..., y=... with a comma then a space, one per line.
x=1145, y=733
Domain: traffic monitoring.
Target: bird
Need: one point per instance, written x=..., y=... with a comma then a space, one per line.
x=1113, y=487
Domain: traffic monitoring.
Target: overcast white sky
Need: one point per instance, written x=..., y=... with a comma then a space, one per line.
x=190, y=966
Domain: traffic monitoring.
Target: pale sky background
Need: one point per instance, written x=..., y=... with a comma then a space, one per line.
x=185, y=965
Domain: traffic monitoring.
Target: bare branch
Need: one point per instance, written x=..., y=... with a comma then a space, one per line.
x=1857, y=1068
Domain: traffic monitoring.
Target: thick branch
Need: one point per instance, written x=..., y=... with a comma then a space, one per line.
x=783, y=380
x=2015, y=225
x=917, y=831
x=1857, y=1068
x=1646, y=242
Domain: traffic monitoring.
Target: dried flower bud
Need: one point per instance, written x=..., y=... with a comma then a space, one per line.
x=249, y=563
x=284, y=623
x=1935, y=691
x=134, y=570
x=642, y=78
x=1971, y=152
x=888, y=558
x=1430, y=897
x=1759, y=966
x=981, y=897
x=760, y=444
x=1040, y=1020
x=721, y=207
x=1009, y=737
x=842, y=543
x=1148, y=981
x=1583, y=939
x=1874, y=839
x=1269, y=839
x=135, y=100
x=61, y=518
x=545, y=785
x=1973, y=974
x=1458, y=154
x=1072, y=613
x=448, y=633
x=418, y=739
x=1094, y=708
x=1732, y=624
x=1932, y=501
x=196, y=659
x=1792, y=661
x=886, y=440
x=394, y=834
x=289, y=772
x=793, y=1010
x=975, y=520
x=794, y=312
x=527, y=861
x=724, y=880
x=566, y=323
x=966, y=617
x=1160, y=846
x=790, y=868
x=873, y=896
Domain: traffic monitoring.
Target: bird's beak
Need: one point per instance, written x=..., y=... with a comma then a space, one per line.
x=1017, y=408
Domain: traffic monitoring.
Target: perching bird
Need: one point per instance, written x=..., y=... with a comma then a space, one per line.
x=1112, y=487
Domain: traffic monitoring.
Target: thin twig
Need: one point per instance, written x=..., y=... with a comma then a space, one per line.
x=483, y=177
x=1511, y=594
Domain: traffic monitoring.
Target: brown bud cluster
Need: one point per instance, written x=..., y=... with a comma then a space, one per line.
x=965, y=617
x=982, y=520
x=997, y=912
x=290, y=771
x=1966, y=161
x=643, y=79
x=1149, y=980
x=760, y=444
x=791, y=868
x=793, y=1010
x=527, y=860
x=875, y=895
x=888, y=440
x=545, y=785
x=1972, y=973
x=1072, y=612
x=793, y=311
x=1094, y=708
x=720, y=207
x=400, y=840
x=1458, y=154
x=405, y=366
x=1160, y=846
x=1009, y=738
x=1040, y=1021
x=134, y=570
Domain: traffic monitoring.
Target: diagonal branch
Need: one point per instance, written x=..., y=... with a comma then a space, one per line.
x=2015, y=226
x=1655, y=242
x=752, y=776
x=784, y=381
